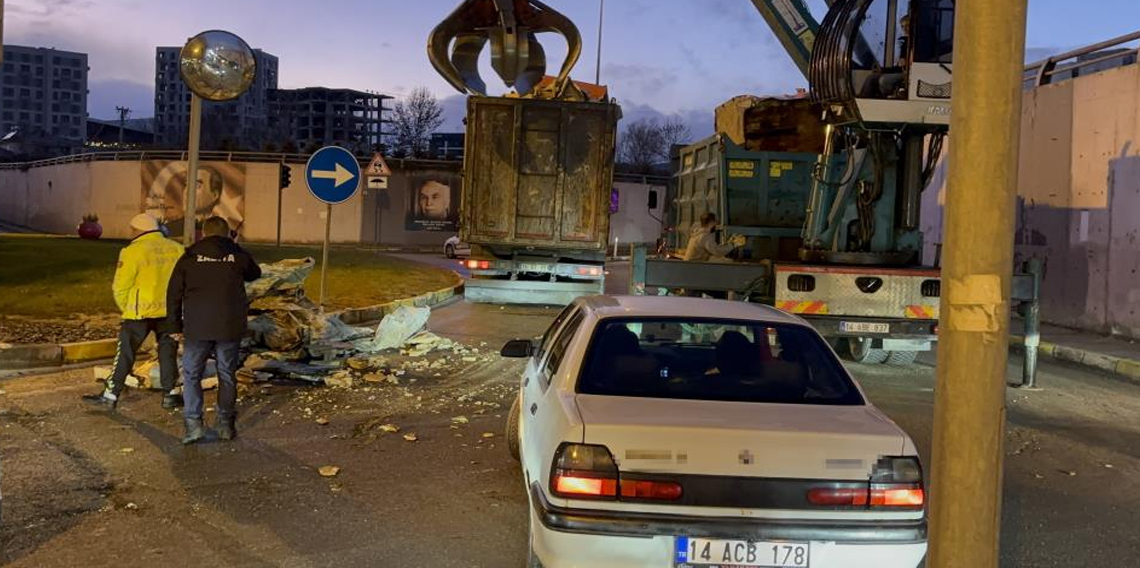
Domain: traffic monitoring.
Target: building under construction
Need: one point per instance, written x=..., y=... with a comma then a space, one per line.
x=313, y=117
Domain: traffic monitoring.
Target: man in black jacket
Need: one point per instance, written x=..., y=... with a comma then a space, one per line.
x=206, y=298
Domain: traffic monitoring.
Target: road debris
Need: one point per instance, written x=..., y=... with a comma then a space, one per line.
x=411, y=437
x=322, y=421
x=460, y=420
x=328, y=471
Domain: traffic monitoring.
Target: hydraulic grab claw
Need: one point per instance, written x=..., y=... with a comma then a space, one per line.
x=516, y=55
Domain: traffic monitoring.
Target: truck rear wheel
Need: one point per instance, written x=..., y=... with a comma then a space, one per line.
x=859, y=350
x=902, y=358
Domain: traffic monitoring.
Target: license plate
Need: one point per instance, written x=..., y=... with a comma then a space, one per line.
x=864, y=327
x=715, y=553
x=534, y=267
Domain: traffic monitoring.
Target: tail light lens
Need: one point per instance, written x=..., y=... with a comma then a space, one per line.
x=478, y=264
x=589, y=271
x=583, y=471
x=895, y=483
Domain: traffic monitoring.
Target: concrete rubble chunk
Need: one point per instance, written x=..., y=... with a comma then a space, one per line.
x=328, y=471
x=395, y=329
x=340, y=379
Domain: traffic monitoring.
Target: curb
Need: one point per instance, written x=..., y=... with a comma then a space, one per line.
x=354, y=316
x=47, y=355
x=1128, y=369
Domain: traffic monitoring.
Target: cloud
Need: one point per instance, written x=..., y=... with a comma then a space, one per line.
x=637, y=80
x=46, y=9
x=107, y=94
x=454, y=111
x=699, y=121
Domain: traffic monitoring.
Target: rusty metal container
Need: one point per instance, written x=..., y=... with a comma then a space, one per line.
x=538, y=176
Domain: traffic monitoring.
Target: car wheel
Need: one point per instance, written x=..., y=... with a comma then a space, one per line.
x=859, y=350
x=449, y=251
x=902, y=358
x=513, y=418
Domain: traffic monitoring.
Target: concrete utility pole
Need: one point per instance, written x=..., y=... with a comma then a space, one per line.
x=124, y=112
x=969, y=408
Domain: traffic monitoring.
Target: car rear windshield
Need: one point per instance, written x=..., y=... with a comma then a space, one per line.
x=724, y=360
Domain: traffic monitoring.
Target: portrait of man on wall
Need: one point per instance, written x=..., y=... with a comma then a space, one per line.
x=433, y=205
x=220, y=192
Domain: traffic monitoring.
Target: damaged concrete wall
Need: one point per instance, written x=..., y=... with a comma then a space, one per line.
x=1078, y=200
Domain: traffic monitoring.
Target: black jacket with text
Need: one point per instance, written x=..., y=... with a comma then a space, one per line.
x=206, y=296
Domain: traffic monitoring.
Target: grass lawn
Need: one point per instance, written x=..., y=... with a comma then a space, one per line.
x=58, y=276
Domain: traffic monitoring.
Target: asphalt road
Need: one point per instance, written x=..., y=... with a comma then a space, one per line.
x=85, y=488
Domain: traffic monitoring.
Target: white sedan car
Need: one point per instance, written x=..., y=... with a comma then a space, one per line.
x=455, y=248
x=674, y=432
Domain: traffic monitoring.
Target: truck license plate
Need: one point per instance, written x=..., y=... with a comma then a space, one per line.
x=715, y=553
x=864, y=327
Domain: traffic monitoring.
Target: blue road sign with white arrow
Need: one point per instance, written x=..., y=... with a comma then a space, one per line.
x=332, y=174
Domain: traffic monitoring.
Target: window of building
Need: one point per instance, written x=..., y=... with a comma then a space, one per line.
x=25, y=92
x=7, y=115
x=56, y=60
x=25, y=69
x=8, y=92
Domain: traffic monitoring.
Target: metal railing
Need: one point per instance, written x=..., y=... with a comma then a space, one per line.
x=181, y=156
x=1043, y=72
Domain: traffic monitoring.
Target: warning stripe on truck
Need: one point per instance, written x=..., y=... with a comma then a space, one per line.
x=798, y=307
x=920, y=312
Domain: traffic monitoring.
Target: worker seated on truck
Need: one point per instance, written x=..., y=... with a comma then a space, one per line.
x=702, y=242
x=704, y=248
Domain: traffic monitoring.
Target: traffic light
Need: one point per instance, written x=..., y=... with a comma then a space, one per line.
x=285, y=176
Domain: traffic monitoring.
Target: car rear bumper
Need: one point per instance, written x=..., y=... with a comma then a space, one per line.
x=564, y=538
x=646, y=525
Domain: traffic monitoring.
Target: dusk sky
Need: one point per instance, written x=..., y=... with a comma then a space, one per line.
x=659, y=56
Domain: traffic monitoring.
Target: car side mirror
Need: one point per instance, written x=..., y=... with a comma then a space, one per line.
x=518, y=349
x=653, y=199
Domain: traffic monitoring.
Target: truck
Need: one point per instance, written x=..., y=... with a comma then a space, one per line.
x=760, y=175
x=538, y=175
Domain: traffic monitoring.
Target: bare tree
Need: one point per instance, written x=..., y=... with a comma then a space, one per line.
x=674, y=132
x=640, y=145
x=415, y=118
x=647, y=142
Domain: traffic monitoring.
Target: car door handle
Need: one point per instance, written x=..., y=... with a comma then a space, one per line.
x=533, y=408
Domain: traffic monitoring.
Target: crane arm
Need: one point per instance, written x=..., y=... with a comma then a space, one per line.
x=794, y=26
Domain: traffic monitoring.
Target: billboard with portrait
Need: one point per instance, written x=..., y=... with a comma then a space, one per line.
x=432, y=204
x=221, y=192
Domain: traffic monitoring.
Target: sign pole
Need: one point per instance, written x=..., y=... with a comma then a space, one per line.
x=325, y=256
x=190, y=218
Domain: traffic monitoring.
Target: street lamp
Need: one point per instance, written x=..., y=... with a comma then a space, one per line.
x=217, y=66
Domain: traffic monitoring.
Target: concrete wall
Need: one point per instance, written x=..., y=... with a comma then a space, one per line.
x=55, y=198
x=1078, y=200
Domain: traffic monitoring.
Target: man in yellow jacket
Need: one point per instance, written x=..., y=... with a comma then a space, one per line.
x=140, y=284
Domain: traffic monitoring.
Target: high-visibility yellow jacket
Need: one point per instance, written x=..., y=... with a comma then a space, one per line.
x=142, y=275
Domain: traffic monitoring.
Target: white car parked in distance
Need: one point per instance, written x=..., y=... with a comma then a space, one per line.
x=455, y=248
x=683, y=433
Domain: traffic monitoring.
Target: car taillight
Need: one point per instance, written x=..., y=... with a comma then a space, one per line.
x=589, y=471
x=478, y=264
x=896, y=482
x=589, y=271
